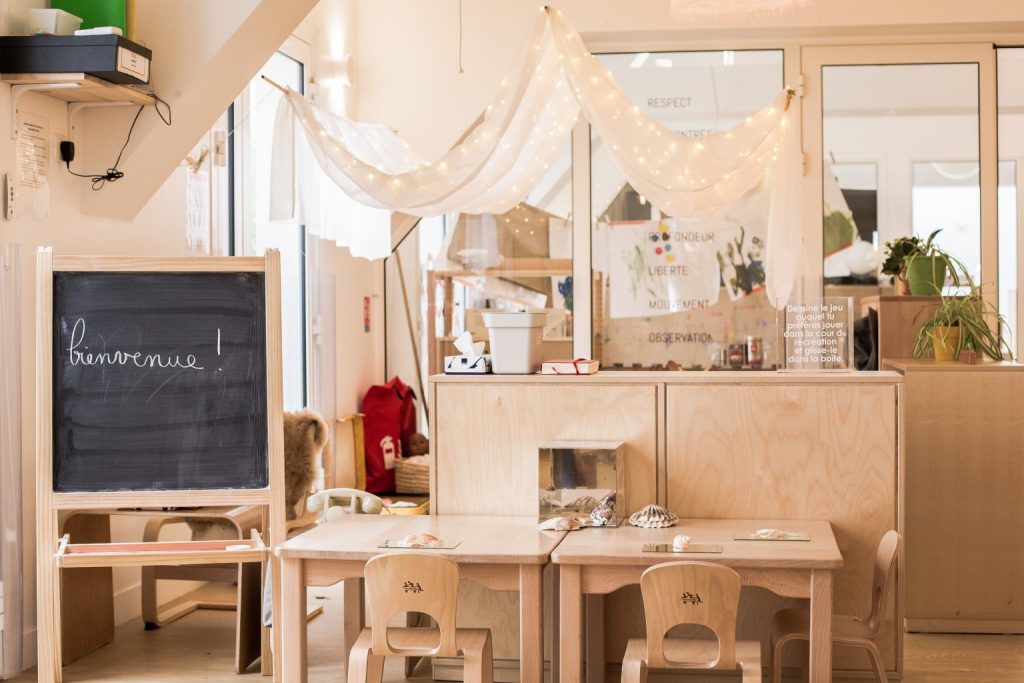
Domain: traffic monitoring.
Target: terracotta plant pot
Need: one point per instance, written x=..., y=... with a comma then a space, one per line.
x=945, y=341
x=927, y=274
x=968, y=356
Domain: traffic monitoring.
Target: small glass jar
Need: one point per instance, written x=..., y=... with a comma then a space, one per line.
x=755, y=352
x=737, y=355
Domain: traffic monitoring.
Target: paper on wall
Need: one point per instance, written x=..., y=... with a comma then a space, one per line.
x=32, y=188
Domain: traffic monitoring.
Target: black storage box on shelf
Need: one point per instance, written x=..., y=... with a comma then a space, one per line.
x=109, y=57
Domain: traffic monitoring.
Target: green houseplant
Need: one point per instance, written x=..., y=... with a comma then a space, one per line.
x=962, y=323
x=919, y=266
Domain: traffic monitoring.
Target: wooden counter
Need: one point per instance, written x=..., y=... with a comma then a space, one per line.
x=964, y=489
x=706, y=444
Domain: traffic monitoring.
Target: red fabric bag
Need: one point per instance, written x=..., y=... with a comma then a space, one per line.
x=389, y=419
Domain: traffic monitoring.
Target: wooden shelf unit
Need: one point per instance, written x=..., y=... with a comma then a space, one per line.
x=79, y=87
x=438, y=341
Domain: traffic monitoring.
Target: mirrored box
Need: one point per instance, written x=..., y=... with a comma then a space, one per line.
x=575, y=476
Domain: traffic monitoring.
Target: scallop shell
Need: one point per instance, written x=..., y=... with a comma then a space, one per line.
x=653, y=517
x=559, y=524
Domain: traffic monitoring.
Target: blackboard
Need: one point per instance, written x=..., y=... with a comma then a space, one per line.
x=159, y=381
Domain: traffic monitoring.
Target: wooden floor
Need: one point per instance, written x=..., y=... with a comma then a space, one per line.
x=199, y=647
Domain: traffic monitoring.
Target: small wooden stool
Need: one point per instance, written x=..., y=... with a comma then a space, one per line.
x=424, y=583
x=795, y=624
x=699, y=593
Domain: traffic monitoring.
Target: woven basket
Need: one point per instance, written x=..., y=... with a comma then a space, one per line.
x=412, y=475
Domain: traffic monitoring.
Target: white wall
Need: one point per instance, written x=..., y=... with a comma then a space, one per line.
x=159, y=228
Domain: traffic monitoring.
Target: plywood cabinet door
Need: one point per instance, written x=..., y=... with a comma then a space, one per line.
x=800, y=451
x=486, y=438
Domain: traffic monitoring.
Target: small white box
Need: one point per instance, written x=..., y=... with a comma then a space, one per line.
x=467, y=365
x=53, y=22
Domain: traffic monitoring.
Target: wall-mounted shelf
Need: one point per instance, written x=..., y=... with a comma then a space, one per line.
x=78, y=89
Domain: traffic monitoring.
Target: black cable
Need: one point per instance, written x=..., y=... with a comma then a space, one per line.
x=113, y=173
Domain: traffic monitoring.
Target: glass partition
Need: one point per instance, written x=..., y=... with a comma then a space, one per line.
x=520, y=260
x=900, y=157
x=675, y=292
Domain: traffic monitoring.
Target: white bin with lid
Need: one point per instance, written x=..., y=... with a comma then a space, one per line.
x=515, y=342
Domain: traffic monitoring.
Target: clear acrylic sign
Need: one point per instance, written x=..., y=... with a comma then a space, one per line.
x=818, y=335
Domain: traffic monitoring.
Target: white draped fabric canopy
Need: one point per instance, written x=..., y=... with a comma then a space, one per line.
x=522, y=132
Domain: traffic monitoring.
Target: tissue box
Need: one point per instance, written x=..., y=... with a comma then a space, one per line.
x=467, y=365
x=573, y=477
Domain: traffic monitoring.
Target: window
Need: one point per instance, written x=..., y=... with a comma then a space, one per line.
x=252, y=118
x=1011, y=187
x=680, y=321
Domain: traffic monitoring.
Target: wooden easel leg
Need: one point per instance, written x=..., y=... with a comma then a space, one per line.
x=48, y=621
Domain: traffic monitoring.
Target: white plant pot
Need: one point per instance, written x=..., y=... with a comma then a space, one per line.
x=515, y=342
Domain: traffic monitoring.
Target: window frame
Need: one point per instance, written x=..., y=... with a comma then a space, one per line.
x=234, y=236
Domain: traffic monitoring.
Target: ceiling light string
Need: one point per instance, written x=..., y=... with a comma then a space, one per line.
x=460, y=38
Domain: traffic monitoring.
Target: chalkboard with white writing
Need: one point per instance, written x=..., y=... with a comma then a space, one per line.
x=159, y=381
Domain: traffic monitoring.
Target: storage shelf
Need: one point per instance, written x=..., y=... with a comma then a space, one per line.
x=79, y=87
x=160, y=553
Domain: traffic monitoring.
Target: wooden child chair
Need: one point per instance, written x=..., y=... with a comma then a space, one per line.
x=690, y=593
x=795, y=624
x=424, y=583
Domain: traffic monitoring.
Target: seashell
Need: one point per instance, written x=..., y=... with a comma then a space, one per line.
x=681, y=542
x=774, y=535
x=419, y=541
x=604, y=513
x=559, y=524
x=653, y=517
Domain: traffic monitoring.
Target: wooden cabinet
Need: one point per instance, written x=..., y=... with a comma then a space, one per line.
x=707, y=444
x=793, y=451
x=964, y=496
x=899, y=318
x=485, y=438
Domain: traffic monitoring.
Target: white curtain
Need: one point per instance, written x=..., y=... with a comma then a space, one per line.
x=521, y=133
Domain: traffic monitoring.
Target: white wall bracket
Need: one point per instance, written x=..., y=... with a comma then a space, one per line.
x=18, y=90
x=75, y=107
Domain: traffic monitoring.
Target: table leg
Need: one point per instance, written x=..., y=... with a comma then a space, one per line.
x=293, y=622
x=531, y=623
x=354, y=612
x=570, y=607
x=821, y=626
x=594, y=605
x=555, y=629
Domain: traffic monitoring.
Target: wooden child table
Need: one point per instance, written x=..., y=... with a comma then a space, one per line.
x=596, y=561
x=501, y=553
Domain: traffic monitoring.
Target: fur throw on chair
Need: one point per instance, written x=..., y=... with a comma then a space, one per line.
x=305, y=435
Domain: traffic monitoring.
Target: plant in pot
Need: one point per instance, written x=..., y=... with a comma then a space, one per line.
x=959, y=325
x=918, y=266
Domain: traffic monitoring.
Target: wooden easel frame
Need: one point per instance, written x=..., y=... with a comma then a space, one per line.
x=50, y=551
